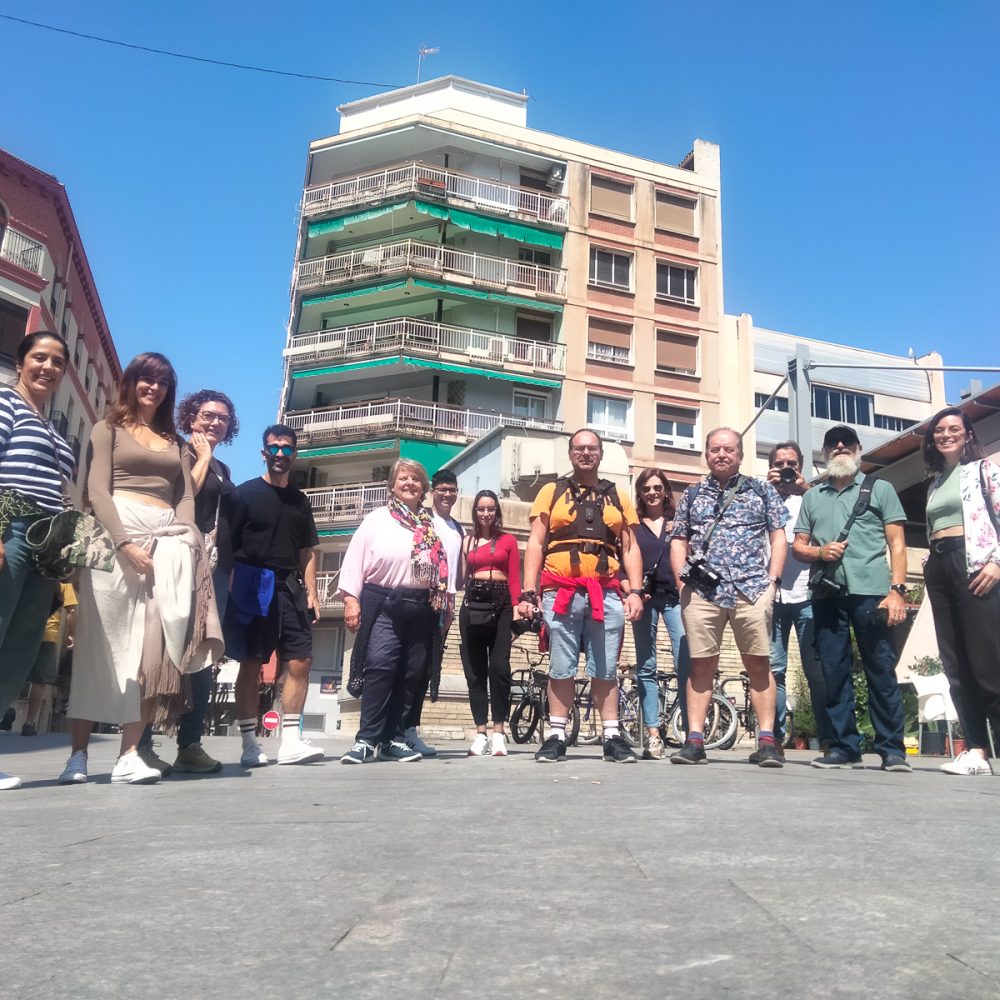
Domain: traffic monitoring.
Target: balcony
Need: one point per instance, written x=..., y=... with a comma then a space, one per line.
x=22, y=250
x=338, y=506
x=414, y=336
x=59, y=423
x=432, y=260
x=413, y=178
x=377, y=418
x=326, y=587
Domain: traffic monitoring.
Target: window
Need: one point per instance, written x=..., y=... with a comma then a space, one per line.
x=779, y=403
x=610, y=416
x=892, y=423
x=675, y=214
x=676, y=427
x=533, y=327
x=676, y=352
x=529, y=405
x=608, y=197
x=676, y=282
x=529, y=255
x=609, y=268
x=607, y=341
x=841, y=406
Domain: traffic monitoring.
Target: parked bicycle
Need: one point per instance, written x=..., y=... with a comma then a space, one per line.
x=745, y=715
x=532, y=709
x=720, y=720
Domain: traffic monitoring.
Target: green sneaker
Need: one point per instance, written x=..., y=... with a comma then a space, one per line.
x=194, y=760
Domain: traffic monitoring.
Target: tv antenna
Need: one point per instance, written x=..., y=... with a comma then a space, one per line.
x=422, y=54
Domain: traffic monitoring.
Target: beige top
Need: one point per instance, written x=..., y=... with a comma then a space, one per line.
x=119, y=462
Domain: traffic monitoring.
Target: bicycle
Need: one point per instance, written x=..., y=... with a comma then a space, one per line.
x=746, y=716
x=528, y=717
x=720, y=720
x=591, y=730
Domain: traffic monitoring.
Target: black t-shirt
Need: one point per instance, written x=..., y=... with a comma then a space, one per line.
x=218, y=493
x=276, y=523
x=655, y=551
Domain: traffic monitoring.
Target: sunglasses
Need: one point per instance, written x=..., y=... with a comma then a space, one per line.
x=287, y=450
x=210, y=417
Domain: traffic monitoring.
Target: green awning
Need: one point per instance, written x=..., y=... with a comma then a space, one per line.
x=348, y=449
x=474, y=293
x=432, y=455
x=371, y=289
x=443, y=366
x=338, y=225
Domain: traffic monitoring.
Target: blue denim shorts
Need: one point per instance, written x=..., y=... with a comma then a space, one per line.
x=576, y=632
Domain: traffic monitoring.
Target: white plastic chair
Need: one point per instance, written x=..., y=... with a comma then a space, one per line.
x=934, y=704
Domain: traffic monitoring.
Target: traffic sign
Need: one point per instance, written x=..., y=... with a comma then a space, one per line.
x=271, y=720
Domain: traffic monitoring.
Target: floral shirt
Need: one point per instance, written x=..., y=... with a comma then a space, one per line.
x=981, y=542
x=737, y=549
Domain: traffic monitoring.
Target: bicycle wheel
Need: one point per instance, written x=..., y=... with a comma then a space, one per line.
x=629, y=717
x=720, y=724
x=573, y=726
x=524, y=721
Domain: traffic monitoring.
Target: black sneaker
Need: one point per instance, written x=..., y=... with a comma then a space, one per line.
x=754, y=758
x=896, y=763
x=690, y=753
x=618, y=751
x=837, y=758
x=769, y=755
x=28, y=730
x=553, y=749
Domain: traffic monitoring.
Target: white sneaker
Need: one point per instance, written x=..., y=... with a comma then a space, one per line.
x=75, y=771
x=8, y=782
x=414, y=742
x=967, y=763
x=498, y=745
x=131, y=769
x=480, y=746
x=295, y=750
x=253, y=756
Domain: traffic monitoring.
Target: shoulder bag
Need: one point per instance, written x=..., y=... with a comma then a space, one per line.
x=480, y=601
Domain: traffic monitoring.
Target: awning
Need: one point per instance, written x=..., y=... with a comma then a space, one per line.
x=338, y=225
x=370, y=290
x=348, y=449
x=334, y=532
x=353, y=366
x=432, y=455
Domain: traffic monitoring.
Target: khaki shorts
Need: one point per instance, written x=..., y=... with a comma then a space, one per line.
x=704, y=624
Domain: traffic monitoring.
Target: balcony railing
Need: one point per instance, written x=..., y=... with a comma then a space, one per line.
x=431, y=259
x=404, y=416
x=326, y=587
x=421, y=337
x=22, y=250
x=348, y=504
x=419, y=178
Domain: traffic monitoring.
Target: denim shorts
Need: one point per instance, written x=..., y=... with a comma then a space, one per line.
x=576, y=632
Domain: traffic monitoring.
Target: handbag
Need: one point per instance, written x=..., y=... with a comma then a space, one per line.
x=480, y=601
x=212, y=537
x=65, y=541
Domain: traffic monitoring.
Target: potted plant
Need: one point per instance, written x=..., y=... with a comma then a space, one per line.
x=803, y=717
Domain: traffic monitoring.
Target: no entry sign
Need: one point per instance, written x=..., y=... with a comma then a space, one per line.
x=271, y=720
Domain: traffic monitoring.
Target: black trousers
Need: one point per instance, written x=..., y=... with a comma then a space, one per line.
x=486, y=661
x=399, y=650
x=968, y=635
x=416, y=708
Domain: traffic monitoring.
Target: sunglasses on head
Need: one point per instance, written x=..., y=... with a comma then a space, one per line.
x=280, y=449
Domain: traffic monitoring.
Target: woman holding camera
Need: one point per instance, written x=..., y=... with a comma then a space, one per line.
x=492, y=577
x=654, y=503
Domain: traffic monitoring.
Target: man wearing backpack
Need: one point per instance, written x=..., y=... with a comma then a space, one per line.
x=844, y=528
x=718, y=553
x=581, y=532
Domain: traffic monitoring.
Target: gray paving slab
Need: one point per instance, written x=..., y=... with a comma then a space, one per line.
x=476, y=877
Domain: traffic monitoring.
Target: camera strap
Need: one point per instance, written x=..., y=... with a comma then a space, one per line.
x=861, y=505
x=727, y=499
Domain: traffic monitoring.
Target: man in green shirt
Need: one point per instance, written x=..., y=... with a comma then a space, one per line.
x=865, y=594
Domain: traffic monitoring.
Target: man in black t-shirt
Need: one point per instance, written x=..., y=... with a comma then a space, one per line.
x=273, y=600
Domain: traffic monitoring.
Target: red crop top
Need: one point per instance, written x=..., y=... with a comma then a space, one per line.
x=505, y=559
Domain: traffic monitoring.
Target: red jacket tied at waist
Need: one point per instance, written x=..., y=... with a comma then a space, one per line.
x=567, y=586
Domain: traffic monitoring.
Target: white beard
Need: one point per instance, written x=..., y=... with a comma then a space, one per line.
x=843, y=466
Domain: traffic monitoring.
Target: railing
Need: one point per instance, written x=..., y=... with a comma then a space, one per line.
x=22, y=250
x=609, y=353
x=346, y=504
x=326, y=587
x=59, y=423
x=432, y=259
x=422, y=337
x=419, y=178
x=392, y=416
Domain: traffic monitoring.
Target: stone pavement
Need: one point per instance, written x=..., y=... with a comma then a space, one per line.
x=473, y=877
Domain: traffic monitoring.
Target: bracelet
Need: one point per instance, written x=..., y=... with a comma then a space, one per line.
x=528, y=596
x=121, y=545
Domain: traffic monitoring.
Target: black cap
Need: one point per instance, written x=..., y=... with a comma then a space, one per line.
x=841, y=434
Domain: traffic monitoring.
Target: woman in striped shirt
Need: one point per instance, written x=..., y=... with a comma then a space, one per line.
x=35, y=463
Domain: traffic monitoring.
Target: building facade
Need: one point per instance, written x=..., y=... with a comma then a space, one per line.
x=46, y=284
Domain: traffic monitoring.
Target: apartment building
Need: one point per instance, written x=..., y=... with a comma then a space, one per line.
x=46, y=284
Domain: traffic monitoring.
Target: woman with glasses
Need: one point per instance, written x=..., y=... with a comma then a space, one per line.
x=961, y=575
x=654, y=503
x=153, y=617
x=492, y=578
x=208, y=419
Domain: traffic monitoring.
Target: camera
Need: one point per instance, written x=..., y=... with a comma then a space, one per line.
x=823, y=585
x=698, y=573
x=787, y=475
x=532, y=624
x=649, y=582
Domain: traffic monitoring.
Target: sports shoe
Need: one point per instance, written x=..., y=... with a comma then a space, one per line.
x=837, y=758
x=149, y=758
x=193, y=760
x=414, y=742
x=770, y=755
x=253, y=756
x=690, y=753
x=480, y=746
x=295, y=750
x=654, y=748
x=132, y=769
x=754, y=758
x=498, y=745
x=8, y=782
x=618, y=751
x=28, y=730
x=397, y=751
x=75, y=771
x=967, y=763
x=360, y=753
x=552, y=749
x=896, y=763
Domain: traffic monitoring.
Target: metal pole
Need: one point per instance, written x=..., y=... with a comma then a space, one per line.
x=800, y=407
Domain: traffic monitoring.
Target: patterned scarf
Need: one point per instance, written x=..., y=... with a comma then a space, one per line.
x=433, y=569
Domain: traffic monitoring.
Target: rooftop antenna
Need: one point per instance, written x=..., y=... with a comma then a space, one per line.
x=422, y=54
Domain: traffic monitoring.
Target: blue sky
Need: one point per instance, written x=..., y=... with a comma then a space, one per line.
x=858, y=153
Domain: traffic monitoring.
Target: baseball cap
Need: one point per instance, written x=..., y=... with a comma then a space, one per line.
x=841, y=434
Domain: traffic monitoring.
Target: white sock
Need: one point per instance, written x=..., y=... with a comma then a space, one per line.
x=556, y=726
x=611, y=729
x=290, y=726
x=248, y=731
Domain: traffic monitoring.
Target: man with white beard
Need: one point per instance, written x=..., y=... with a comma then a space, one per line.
x=855, y=589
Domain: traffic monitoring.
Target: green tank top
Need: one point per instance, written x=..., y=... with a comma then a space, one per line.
x=944, y=509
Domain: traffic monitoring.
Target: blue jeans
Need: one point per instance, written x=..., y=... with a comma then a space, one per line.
x=576, y=632
x=799, y=616
x=644, y=634
x=25, y=603
x=835, y=618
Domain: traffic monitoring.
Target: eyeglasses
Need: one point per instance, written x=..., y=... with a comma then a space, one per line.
x=445, y=491
x=585, y=449
x=652, y=489
x=287, y=450
x=164, y=383
x=950, y=431
x=211, y=417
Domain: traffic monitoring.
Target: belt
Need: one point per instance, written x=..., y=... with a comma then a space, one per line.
x=955, y=543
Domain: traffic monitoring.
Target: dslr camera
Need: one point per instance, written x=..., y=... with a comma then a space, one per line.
x=532, y=624
x=649, y=582
x=698, y=573
x=787, y=475
x=823, y=585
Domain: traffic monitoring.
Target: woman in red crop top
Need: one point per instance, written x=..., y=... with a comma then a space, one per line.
x=492, y=578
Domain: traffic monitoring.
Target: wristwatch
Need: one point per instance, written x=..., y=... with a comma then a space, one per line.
x=900, y=589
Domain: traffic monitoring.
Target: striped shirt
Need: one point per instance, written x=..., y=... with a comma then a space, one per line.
x=31, y=454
